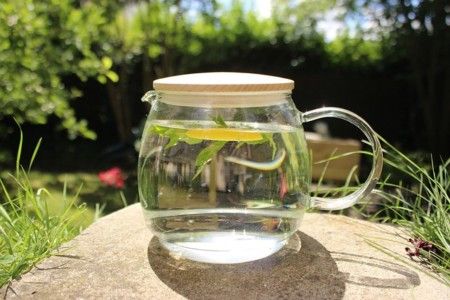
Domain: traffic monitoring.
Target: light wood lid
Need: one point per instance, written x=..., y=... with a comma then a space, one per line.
x=223, y=82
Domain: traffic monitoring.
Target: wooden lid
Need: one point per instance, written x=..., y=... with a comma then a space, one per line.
x=223, y=82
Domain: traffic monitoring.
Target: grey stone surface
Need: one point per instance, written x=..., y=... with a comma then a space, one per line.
x=331, y=258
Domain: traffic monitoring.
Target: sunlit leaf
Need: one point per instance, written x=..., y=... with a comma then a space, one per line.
x=102, y=79
x=112, y=76
x=107, y=62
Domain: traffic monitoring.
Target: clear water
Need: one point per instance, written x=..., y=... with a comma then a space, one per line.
x=223, y=192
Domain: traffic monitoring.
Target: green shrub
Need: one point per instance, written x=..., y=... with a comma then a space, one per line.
x=41, y=43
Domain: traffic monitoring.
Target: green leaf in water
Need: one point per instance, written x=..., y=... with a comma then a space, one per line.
x=266, y=138
x=206, y=155
x=172, y=142
x=191, y=141
x=239, y=145
x=269, y=138
x=220, y=121
x=159, y=129
x=174, y=135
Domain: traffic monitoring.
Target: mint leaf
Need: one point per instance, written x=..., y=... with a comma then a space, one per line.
x=239, y=145
x=159, y=129
x=206, y=155
x=191, y=141
x=174, y=136
x=172, y=142
x=220, y=121
x=269, y=138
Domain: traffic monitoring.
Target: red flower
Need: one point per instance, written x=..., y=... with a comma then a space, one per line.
x=112, y=177
x=418, y=244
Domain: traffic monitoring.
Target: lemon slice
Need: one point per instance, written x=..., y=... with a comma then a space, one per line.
x=224, y=134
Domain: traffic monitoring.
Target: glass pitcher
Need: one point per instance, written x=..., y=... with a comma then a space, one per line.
x=224, y=170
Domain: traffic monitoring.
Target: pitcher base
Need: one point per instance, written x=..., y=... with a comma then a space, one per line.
x=222, y=247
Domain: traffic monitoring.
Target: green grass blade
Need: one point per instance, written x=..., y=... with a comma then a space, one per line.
x=33, y=156
x=19, y=151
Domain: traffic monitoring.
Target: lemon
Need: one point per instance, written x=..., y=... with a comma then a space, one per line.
x=224, y=134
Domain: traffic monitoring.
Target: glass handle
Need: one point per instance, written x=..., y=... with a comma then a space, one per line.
x=377, y=164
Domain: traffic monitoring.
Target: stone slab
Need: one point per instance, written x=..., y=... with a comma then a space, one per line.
x=331, y=258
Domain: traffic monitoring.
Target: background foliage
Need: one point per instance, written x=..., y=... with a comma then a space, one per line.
x=68, y=63
x=42, y=45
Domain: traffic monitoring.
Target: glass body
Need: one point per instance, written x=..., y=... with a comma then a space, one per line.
x=224, y=184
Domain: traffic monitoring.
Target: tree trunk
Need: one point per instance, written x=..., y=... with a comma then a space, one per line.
x=117, y=94
x=441, y=74
x=146, y=74
x=428, y=52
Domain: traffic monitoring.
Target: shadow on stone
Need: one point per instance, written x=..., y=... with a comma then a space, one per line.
x=383, y=274
x=303, y=270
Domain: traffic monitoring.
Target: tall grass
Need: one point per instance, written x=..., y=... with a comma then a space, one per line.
x=414, y=196
x=28, y=231
x=418, y=200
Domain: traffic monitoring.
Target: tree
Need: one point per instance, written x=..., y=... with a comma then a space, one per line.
x=153, y=36
x=419, y=31
x=42, y=43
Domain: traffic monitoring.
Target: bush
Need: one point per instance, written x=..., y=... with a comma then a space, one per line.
x=41, y=43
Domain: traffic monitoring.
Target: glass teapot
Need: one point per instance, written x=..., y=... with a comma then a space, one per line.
x=224, y=169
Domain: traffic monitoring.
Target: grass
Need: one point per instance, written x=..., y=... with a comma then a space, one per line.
x=95, y=194
x=414, y=196
x=420, y=203
x=39, y=211
x=29, y=231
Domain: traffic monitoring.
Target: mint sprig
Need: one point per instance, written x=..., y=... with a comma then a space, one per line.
x=174, y=135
